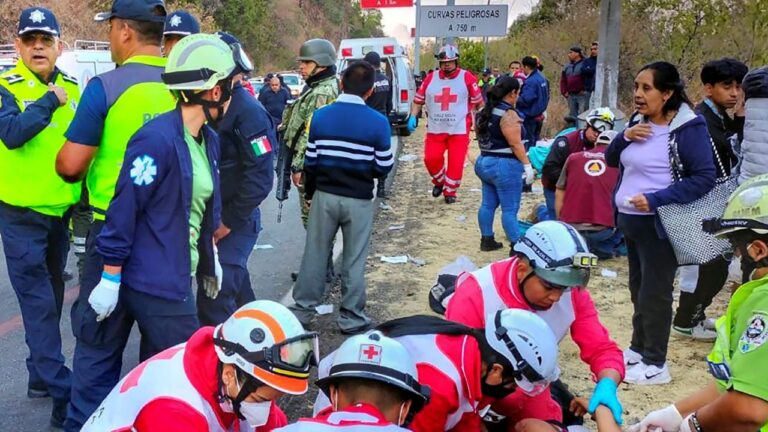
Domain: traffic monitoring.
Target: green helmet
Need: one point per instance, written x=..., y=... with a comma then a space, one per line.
x=198, y=62
x=747, y=209
x=320, y=51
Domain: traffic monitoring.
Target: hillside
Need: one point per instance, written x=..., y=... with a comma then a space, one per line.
x=271, y=30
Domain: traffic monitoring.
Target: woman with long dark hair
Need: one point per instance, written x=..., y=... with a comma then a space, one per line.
x=663, y=118
x=503, y=162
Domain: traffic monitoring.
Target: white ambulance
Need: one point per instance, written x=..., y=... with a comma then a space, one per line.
x=394, y=64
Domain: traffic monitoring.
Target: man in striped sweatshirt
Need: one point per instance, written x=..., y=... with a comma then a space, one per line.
x=348, y=147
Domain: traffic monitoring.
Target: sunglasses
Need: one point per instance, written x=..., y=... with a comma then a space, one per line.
x=33, y=38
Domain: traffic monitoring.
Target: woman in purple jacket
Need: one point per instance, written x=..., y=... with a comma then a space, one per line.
x=663, y=115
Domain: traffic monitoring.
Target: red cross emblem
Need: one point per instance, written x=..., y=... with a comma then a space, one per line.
x=445, y=99
x=370, y=354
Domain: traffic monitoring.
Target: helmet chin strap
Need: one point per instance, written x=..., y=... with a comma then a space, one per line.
x=197, y=98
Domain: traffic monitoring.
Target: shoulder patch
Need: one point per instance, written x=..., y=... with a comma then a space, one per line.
x=755, y=334
x=13, y=78
x=69, y=78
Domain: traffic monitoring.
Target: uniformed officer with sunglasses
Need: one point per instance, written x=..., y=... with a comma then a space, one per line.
x=37, y=103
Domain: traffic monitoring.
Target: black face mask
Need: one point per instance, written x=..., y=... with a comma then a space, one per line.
x=498, y=391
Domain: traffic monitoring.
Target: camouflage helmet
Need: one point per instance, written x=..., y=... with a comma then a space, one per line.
x=320, y=51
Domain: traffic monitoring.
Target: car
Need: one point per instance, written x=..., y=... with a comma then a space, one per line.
x=294, y=82
x=257, y=83
x=7, y=57
x=394, y=64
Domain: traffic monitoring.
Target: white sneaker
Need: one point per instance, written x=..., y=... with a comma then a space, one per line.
x=709, y=324
x=697, y=332
x=632, y=357
x=643, y=374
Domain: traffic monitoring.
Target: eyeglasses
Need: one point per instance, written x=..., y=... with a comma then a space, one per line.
x=31, y=39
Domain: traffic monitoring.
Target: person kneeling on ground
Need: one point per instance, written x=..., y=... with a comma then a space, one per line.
x=584, y=197
x=373, y=385
x=737, y=399
x=224, y=378
x=547, y=275
x=466, y=369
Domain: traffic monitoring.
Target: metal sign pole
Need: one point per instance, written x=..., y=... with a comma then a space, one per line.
x=417, y=41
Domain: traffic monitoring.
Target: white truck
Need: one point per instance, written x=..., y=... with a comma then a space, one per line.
x=394, y=64
x=83, y=61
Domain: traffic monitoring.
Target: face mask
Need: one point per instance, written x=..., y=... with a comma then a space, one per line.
x=498, y=391
x=256, y=413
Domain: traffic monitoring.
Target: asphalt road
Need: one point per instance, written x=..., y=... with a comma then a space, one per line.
x=278, y=254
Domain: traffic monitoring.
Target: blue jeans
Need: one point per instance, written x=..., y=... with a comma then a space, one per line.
x=549, y=197
x=502, y=186
x=531, y=128
x=605, y=243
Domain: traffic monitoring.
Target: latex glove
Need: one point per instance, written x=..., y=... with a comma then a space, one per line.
x=685, y=426
x=605, y=394
x=528, y=174
x=212, y=285
x=667, y=419
x=412, y=123
x=103, y=298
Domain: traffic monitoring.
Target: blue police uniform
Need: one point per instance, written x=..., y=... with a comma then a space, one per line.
x=34, y=209
x=247, y=135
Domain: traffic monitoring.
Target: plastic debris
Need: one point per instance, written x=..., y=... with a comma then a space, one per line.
x=400, y=259
x=608, y=273
x=385, y=207
x=263, y=247
x=396, y=227
x=417, y=261
x=475, y=190
x=324, y=309
x=461, y=218
x=407, y=158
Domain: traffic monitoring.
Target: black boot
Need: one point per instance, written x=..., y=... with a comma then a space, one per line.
x=59, y=413
x=37, y=390
x=381, y=189
x=437, y=191
x=489, y=243
x=450, y=199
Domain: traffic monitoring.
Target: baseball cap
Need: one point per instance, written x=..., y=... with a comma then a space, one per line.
x=37, y=19
x=487, y=71
x=181, y=23
x=137, y=10
x=373, y=58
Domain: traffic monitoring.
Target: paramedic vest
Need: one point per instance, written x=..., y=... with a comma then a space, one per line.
x=559, y=317
x=359, y=418
x=589, y=189
x=135, y=95
x=28, y=175
x=162, y=376
x=447, y=103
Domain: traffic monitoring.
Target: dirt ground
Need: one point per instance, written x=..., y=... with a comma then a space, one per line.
x=439, y=233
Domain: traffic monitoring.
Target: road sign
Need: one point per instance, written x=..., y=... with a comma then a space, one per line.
x=463, y=21
x=372, y=4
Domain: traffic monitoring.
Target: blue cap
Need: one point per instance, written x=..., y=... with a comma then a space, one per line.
x=37, y=19
x=181, y=23
x=137, y=10
x=227, y=38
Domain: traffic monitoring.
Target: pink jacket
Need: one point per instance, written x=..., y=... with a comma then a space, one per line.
x=495, y=287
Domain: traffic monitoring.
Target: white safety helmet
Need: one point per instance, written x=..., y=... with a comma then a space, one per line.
x=374, y=356
x=557, y=253
x=447, y=53
x=265, y=340
x=601, y=119
x=605, y=138
x=526, y=340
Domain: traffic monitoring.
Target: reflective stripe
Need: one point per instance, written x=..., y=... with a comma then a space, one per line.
x=498, y=112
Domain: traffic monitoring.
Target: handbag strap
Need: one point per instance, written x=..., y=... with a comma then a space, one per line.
x=676, y=164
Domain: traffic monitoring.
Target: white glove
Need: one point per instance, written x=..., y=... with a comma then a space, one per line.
x=686, y=425
x=667, y=420
x=103, y=298
x=528, y=174
x=212, y=286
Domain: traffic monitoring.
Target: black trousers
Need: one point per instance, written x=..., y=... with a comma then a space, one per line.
x=652, y=266
x=712, y=277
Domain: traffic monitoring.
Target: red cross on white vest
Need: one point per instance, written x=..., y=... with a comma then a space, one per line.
x=445, y=99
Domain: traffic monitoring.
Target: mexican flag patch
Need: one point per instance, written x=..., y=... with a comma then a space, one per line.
x=261, y=145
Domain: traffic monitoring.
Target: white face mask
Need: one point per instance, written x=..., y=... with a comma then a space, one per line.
x=256, y=413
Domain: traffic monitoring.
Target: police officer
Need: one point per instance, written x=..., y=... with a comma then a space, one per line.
x=247, y=135
x=113, y=107
x=737, y=398
x=381, y=101
x=373, y=385
x=317, y=64
x=37, y=103
x=177, y=25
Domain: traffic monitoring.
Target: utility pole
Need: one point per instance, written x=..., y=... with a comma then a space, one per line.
x=417, y=41
x=485, y=49
x=607, y=73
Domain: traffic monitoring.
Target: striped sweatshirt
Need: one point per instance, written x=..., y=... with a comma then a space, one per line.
x=348, y=146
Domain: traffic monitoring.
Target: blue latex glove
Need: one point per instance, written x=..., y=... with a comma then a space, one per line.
x=605, y=394
x=412, y=123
